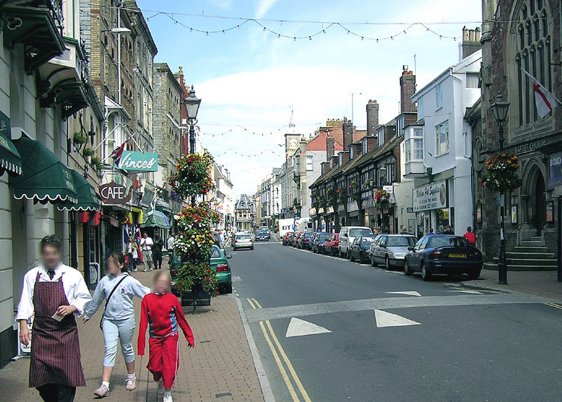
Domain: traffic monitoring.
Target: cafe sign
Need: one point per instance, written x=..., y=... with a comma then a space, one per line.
x=430, y=196
x=134, y=161
x=115, y=194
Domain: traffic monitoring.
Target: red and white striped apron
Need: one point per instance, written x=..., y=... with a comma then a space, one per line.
x=55, y=350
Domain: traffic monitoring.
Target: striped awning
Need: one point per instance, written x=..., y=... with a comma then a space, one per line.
x=10, y=159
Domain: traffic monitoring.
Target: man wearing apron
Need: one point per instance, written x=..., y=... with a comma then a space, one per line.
x=52, y=294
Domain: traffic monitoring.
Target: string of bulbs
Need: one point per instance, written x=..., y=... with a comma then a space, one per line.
x=324, y=30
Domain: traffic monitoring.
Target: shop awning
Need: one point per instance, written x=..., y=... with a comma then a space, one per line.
x=10, y=160
x=44, y=177
x=88, y=199
x=155, y=219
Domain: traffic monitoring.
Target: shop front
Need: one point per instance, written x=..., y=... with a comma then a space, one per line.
x=430, y=203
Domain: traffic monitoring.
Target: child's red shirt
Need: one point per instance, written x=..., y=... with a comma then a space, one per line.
x=162, y=314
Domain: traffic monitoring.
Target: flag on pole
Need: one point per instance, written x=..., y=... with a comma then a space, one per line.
x=545, y=101
x=117, y=153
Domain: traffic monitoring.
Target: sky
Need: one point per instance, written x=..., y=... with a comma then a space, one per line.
x=251, y=81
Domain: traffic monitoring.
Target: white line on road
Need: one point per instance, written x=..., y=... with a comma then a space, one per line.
x=406, y=292
x=468, y=292
x=385, y=319
x=298, y=327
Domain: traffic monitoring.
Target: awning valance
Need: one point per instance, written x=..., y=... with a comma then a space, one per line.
x=156, y=219
x=10, y=160
x=88, y=199
x=44, y=177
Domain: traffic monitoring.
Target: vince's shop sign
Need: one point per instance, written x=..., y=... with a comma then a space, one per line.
x=430, y=196
x=132, y=161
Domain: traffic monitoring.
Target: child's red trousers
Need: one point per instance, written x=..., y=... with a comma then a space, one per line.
x=163, y=360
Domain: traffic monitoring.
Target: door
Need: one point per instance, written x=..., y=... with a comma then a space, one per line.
x=540, y=204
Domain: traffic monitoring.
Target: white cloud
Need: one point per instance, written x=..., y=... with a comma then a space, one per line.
x=264, y=6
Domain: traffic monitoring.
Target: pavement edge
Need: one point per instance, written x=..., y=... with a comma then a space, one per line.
x=258, y=365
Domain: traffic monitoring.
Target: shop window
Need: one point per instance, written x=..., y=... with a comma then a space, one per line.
x=442, y=138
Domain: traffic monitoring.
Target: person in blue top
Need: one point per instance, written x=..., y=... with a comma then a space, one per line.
x=117, y=290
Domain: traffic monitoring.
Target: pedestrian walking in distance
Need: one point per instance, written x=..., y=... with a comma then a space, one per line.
x=133, y=254
x=162, y=313
x=170, y=248
x=157, y=248
x=470, y=237
x=53, y=294
x=146, y=244
x=117, y=289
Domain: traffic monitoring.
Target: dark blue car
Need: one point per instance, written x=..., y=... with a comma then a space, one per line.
x=443, y=254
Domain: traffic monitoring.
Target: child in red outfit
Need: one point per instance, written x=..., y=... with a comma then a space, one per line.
x=163, y=314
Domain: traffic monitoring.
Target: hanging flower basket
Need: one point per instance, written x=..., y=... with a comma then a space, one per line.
x=382, y=200
x=192, y=177
x=501, y=173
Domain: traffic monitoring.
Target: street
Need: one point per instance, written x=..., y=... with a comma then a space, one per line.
x=330, y=330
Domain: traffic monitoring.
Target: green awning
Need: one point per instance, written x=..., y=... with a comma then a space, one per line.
x=155, y=219
x=88, y=200
x=10, y=160
x=44, y=178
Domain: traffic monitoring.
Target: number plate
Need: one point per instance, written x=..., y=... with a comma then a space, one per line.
x=457, y=255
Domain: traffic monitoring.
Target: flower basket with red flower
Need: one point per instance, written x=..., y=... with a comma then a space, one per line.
x=501, y=173
x=382, y=200
x=192, y=177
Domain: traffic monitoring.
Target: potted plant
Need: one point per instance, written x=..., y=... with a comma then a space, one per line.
x=78, y=138
x=87, y=153
x=96, y=163
x=382, y=200
x=193, y=279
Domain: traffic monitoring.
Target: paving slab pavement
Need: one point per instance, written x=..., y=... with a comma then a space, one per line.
x=220, y=368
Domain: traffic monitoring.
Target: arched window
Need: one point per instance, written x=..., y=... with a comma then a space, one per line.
x=533, y=54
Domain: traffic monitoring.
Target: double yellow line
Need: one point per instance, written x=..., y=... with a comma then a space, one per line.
x=280, y=357
x=558, y=306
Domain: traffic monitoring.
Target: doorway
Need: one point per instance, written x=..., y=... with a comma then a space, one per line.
x=537, y=207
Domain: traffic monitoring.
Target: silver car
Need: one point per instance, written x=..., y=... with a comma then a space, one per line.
x=391, y=249
x=242, y=240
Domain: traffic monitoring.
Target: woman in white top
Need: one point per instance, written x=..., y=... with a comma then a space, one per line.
x=117, y=289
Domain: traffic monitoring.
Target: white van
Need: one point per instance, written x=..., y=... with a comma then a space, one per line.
x=347, y=235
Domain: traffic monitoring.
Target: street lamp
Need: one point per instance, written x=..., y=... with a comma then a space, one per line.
x=192, y=103
x=500, y=108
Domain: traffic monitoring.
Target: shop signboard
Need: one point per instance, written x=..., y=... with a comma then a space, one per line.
x=430, y=196
x=115, y=194
x=133, y=161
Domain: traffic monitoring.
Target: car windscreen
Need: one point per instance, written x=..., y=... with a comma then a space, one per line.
x=359, y=232
x=216, y=253
x=243, y=237
x=400, y=241
x=367, y=240
x=447, y=241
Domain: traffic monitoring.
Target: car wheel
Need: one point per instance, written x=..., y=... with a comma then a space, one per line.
x=339, y=252
x=387, y=263
x=227, y=288
x=373, y=263
x=407, y=270
x=251, y=248
x=351, y=257
x=426, y=275
x=473, y=275
x=348, y=255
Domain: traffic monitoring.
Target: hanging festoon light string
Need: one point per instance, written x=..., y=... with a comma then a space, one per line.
x=327, y=27
x=244, y=130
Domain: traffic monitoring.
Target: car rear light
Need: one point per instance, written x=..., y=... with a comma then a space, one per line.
x=222, y=268
x=435, y=254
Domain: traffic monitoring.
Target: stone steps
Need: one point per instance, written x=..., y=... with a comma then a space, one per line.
x=494, y=267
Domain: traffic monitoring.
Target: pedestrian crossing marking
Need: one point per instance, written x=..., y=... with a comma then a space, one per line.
x=406, y=292
x=298, y=327
x=385, y=319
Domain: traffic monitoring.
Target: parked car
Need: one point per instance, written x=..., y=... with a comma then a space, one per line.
x=304, y=241
x=262, y=235
x=288, y=238
x=360, y=249
x=443, y=254
x=391, y=249
x=242, y=240
x=319, y=240
x=219, y=265
x=347, y=235
x=331, y=246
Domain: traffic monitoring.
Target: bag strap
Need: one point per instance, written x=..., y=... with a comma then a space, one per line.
x=113, y=291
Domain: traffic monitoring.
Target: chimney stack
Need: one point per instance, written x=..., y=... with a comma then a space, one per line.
x=407, y=89
x=470, y=41
x=330, y=147
x=347, y=134
x=372, y=117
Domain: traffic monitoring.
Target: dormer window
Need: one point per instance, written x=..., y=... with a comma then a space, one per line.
x=364, y=146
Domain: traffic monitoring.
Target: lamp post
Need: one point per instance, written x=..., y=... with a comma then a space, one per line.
x=500, y=108
x=192, y=103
